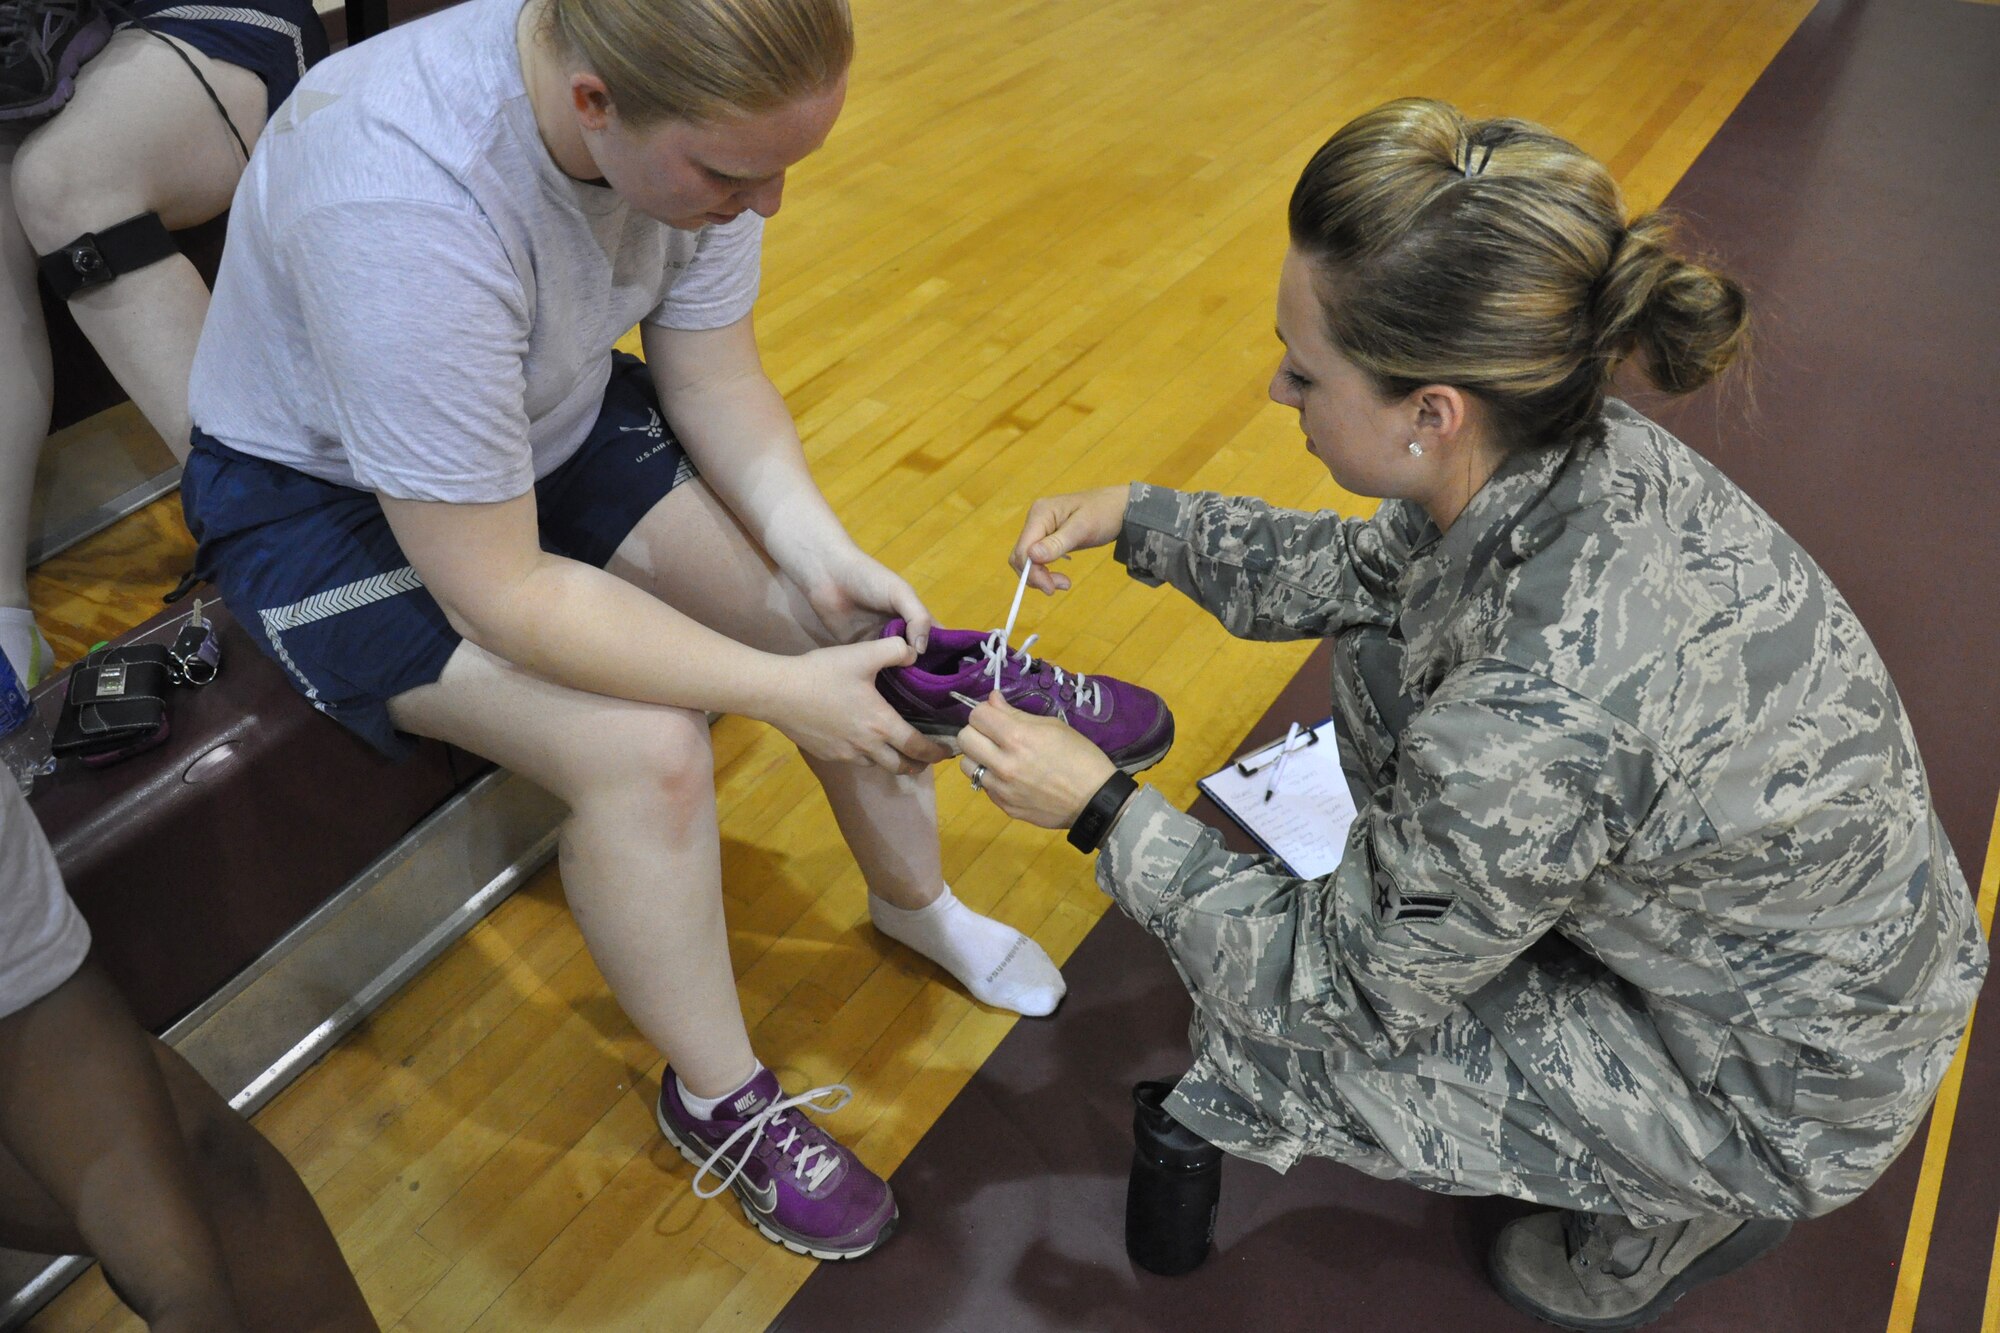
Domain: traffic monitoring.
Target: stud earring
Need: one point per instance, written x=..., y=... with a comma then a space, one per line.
x=1416, y=450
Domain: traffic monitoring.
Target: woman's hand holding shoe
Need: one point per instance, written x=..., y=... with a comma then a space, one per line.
x=831, y=710
x=853, y=594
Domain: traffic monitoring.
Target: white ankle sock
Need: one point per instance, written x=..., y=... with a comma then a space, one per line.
x=704, y=1107
x=997, y=963
x=27, y=651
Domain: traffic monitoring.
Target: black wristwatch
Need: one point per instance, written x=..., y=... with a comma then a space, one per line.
x=1087, y=833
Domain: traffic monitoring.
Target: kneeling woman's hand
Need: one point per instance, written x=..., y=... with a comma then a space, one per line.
x=1035, y=768
x=1061, y=524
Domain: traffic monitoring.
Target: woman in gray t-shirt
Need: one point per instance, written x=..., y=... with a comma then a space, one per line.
x=424, y=480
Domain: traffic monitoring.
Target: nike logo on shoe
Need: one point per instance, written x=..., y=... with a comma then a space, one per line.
x=764, y=1199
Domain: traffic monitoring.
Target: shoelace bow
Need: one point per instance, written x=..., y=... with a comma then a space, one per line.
x=1085, y=692
x=815, y=1160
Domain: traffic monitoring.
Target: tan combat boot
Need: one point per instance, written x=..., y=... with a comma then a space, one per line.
x=1590, y=1271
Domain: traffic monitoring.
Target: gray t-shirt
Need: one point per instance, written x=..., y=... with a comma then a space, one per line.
x=42, y=937
x=414, y=299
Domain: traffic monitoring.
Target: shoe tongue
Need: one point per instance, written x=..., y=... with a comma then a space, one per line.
x=1628, y=1255
x=1617, y=1247
x=751, y=1098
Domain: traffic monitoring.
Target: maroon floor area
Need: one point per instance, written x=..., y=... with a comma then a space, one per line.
x=1857, y=191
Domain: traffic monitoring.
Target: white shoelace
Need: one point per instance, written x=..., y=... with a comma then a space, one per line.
x=1087, y=693
x=815, y=1161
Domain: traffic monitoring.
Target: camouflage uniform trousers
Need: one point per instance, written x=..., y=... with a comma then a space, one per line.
x=1453, y=1112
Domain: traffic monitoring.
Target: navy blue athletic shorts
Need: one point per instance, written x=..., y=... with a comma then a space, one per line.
x=277, y=40
x=312, y=571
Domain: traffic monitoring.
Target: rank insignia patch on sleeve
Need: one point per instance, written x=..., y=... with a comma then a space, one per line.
x=1396, y=908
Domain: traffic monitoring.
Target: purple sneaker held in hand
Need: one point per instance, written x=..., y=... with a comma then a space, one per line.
x=42, y=45
x=797, y=1185
x=961, y=667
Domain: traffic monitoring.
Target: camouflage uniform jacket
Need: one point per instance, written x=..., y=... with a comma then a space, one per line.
x=1641, y=719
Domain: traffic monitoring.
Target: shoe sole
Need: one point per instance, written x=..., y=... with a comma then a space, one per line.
x=947, y=736
x=88, y=42
x=1747, y=1243
x=775, y=1234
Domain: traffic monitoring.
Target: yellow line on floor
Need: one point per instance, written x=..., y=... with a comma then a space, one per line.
x=1990, y=1322
x=1923, y=1212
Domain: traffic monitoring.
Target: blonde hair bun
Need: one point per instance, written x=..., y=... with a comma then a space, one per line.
x=1494, y=255
x=1686, y=321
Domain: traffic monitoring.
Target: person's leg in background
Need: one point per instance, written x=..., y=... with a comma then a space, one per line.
x=111, y=1145
x=140, y=136
x=27, y=390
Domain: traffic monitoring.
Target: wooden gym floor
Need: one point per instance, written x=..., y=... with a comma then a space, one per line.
x=1039, y=253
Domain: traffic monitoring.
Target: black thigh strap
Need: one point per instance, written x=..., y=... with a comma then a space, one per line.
x=96, y=257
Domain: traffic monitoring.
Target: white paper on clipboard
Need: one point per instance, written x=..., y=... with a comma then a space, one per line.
x=1305, y=821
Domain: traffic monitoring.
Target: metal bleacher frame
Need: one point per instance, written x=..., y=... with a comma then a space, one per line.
x=272, y=1021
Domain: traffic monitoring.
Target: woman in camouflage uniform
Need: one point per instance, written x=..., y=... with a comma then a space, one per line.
x=1646, y=915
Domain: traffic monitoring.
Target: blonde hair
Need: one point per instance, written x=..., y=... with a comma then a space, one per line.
x=701, y=60
x=1495, y=256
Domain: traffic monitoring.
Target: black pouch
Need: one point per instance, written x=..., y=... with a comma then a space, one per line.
x=116, y=705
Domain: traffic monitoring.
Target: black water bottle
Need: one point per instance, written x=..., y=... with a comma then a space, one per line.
x=1176, y=1183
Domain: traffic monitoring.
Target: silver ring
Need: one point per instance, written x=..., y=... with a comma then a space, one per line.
x=979, y=777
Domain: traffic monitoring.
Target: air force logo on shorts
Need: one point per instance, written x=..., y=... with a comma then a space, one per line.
x=655, y=437
x=654, y=432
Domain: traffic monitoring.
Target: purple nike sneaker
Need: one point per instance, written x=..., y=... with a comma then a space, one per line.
x=42, y=45
x=797, y=1185
x=958, y=669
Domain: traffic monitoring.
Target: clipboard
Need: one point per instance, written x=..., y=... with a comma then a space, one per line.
x=1305, y=821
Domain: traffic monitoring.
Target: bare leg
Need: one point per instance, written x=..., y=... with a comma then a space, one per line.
x=284, y=1264
x=692, y=554
x=140, y=136
x=27, y=385
x=641, y=854
x=111, y=1145
x=641, y=858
